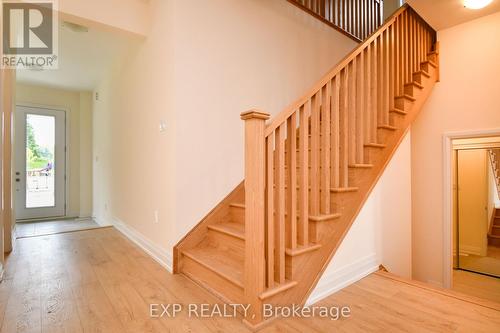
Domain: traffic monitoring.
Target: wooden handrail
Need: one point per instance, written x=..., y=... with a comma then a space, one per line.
x=334, y=71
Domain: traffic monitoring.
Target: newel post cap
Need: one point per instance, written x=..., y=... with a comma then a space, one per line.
x=254, y=113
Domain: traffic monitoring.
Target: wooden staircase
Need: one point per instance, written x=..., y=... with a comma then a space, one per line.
x=309, y=171
x=494, y=232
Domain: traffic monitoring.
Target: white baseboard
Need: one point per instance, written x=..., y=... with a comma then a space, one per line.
x=161, y=255
x=333, y=281
x=435, y=283
x=101, y=222
x=467, y=249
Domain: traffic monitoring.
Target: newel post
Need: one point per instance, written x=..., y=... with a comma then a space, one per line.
x=255, y=172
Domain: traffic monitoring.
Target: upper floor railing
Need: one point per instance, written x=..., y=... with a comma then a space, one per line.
x=357, y=19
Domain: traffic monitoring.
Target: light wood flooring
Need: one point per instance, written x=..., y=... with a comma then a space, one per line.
x=98, y=281
x=477, y=285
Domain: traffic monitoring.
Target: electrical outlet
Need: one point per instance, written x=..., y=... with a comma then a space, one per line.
x=163, y=126
x=157, y=219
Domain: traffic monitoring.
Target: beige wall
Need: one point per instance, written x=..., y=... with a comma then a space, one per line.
x=202, y=65
x=128, y=15
x=79, y=114
x=466, y=99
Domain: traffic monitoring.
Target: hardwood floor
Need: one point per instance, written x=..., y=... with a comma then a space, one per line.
x=98, y=281
x=477, y=285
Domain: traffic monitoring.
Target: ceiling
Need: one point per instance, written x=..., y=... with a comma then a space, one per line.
x=442, y=14
x=84, y=57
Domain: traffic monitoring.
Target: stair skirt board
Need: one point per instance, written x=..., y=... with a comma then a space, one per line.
x=161, y=255
x=339, y=278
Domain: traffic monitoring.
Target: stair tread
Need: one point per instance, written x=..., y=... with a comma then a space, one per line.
x=399, y=111
x=326, y=217
x=277, y=289
x=344, y=189
x=406, y=96
x=301, y=249
x=230, y=228
x=430, y=62
x=415, y=83
x=423, y=73
x=375, y=145
x=494, y=236
x=218, y=261
x=361, y=166
x=388, y=127
x=237, y=205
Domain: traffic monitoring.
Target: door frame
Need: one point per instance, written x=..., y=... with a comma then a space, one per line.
x=448, y=137
x=67, y=124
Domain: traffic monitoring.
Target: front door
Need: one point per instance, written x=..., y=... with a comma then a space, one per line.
x=40, y=157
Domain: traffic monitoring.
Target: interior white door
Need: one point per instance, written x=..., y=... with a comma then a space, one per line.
x=40, y=163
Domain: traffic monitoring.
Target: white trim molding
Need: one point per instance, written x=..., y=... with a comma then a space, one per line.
x=340, y=278
x=1, y=272
x=161, y=255
x=448, y=196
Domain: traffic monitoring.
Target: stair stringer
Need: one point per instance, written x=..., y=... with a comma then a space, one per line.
x=309, y=267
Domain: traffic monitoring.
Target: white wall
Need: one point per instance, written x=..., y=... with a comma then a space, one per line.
x=79, y=113
x=202, y=64
x=466, y=99
x=381, y=234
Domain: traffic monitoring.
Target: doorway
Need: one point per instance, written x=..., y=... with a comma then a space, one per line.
x=476, y=196
x=40, y=163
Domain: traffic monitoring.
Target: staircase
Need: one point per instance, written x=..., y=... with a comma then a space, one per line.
x=494, y=232
x=309, y=171
x=495, y=165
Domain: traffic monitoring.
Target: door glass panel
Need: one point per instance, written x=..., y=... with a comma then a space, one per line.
x=40, y=168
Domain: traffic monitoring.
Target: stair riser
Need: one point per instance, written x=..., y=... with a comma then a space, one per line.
x=212, y=281
x=403, y=104
x=384, y=135
x=229, y=242
x=237, y=214
x=495, y=231
x=493, y=241
x=395, y=119
x=427, y=67
x=433, y=57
